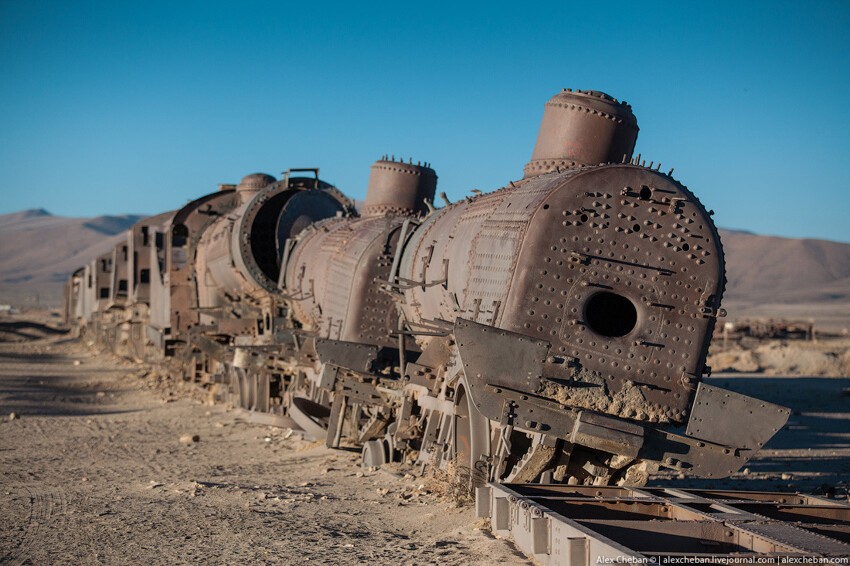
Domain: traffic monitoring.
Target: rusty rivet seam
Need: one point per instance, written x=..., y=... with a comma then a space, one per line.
x=539, y=165
x=385, y=209
x=579, y=108
x=410, y=170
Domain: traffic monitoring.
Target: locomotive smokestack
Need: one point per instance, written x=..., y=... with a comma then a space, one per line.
x=582, y=127
x=251, y=184
x=395, y=186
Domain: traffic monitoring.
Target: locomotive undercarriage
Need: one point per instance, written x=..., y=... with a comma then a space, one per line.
x=459, y=406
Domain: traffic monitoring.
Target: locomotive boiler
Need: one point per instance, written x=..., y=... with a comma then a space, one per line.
x=553, y=330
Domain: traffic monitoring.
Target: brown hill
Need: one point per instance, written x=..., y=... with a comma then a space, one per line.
x=785, y=270
x=768, y=276
x=801, y=279
x=38, y=251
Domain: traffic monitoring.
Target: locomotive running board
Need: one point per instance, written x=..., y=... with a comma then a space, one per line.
x=559, y=525
x=504, y=371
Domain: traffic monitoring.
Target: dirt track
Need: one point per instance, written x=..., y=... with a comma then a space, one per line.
x=94, y=472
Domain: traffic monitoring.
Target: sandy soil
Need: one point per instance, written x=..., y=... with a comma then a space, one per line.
x=811, y=454
x=94, y=471
x=826, y=357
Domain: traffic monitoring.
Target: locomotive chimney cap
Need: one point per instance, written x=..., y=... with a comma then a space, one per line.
x=580, y=128
x=255, y=182
x=420, y=169
x=595, y=102
x=399, y=187
x=595, y=94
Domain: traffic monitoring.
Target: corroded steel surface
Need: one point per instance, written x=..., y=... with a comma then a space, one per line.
x=583, y=127
x=396, y=187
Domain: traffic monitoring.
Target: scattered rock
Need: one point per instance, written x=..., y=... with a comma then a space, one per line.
x=787, y=477
x=13, y=416
x=77, y=362
x=189, y=439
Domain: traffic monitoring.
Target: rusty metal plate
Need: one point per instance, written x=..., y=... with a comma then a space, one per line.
x=499, y=358
x=734, y=420
x=351, y=355
x=605, y=433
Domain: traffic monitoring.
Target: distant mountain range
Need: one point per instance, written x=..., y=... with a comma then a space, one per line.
x=38, y=251
x=767, y=276
x=789, y=278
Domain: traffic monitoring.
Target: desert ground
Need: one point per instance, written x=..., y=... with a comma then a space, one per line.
x=95, y=472
x=107, y=462
x=811, y=454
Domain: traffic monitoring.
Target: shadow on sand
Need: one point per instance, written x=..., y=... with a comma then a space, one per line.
x=25, y=330
x=820, y=423
x=48, y=384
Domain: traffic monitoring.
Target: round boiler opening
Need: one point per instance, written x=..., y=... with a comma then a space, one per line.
x=610, y=314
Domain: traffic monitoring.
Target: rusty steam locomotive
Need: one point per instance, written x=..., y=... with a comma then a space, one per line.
x=554, y=330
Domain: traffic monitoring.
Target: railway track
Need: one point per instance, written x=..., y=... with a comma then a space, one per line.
x=560, y=525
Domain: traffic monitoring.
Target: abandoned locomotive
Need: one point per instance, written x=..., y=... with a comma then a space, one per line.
x=554, y=330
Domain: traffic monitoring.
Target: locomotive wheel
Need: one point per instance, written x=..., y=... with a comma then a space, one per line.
x=255, y=390
x=310, y=416
x=471, y=439
x=249, y=389
x=263, y=392
x=187, y=369
x=243, y=389
x=375, y=453
x=235, y=387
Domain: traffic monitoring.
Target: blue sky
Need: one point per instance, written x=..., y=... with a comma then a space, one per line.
x=137, y=107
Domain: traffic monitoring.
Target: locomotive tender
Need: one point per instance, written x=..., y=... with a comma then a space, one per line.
x=554, y=330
